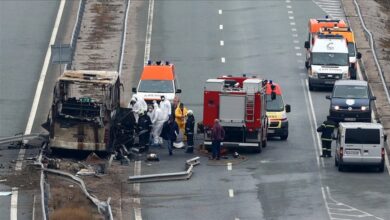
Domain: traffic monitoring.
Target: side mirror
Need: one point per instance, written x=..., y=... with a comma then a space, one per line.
x=273, y=95
x=327, y=97
x=307, y=64
x=373, y=98
x=358, y=55
x=307, y=44
x=288, y=108
x=178, y=90
x=134, y=89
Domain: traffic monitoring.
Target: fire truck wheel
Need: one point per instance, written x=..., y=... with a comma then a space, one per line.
x=258, y=149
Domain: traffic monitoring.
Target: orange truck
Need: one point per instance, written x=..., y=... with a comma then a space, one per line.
x=158, y=79
x=347, y=33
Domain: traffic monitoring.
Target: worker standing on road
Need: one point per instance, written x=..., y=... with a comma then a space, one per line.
x=144, y=127
x=158, y=123
x=189, y=131
x=217, y=136
x=180, y=114
x=327, y=129
x=165, y=106
x=170, y=133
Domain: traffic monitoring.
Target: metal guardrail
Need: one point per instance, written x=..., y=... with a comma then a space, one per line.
x=123, y=40
x=185, y=175
x=76, y=30
x=103, y=207
x=371, y=39
x=20, y=137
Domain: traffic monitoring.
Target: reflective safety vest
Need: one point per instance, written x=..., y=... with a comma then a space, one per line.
x=327, y=129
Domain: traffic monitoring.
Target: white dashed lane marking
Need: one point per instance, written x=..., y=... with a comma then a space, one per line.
x=221, y=27
x=221, y=43
x=223, y=60
x=231, y=193
x=229, y=166
x=220, y=11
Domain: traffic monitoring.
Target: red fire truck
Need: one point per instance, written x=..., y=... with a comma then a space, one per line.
x=240, y=105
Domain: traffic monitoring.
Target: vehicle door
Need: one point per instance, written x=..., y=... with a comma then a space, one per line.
x=353, y=145
x=371, y=145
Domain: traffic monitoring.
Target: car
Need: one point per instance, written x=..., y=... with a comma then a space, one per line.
x=350, y=101
x=360, y=143
x=158, y=79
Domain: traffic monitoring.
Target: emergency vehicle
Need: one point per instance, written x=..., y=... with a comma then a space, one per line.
x=158, y=79
x=327, y=60
x=240, y=105
x=347, y=33
x=315, y=25
x=276, y=112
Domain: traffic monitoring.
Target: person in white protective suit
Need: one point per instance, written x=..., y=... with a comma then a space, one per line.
x=166, y=108
x=157, y=123
x=137, y=104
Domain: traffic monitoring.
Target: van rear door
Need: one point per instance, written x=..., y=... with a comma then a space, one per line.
x=363, y=143
x=371, y=146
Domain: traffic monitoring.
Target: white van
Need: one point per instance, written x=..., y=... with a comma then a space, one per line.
x=360, y=143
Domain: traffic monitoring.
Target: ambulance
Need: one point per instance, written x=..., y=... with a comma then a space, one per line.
x=158, y=79
x=276, y=112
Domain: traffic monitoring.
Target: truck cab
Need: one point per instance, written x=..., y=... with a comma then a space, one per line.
x=328, y=61
x=239, y=103
x=158, y=79
x=350, y=101
x=276, y=112
x=360, y=144
x=354, y=56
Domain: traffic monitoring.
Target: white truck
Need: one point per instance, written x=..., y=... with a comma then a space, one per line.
x=327, y=60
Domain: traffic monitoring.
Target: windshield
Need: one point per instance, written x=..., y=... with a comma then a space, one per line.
x=157, y=86
x=362, y=136
x=351, y=49
x=275, y=105
x=346, y=91
x=337, y=59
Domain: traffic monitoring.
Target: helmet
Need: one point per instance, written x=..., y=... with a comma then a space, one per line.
x=190, y=112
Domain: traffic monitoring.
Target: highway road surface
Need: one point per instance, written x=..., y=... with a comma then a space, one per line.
x=25, y=31
x=287, y=180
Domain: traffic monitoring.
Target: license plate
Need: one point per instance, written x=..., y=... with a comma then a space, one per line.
x=270, y=131
x=352, y=152
x=329, y=82
x=350, y=119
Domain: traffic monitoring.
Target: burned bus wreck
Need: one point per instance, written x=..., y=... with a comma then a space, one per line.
x=86, y=113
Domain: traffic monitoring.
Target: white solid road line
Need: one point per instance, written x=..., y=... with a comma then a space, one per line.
x=149, y=28
x=14, y=204
x=136, y=190
x=326, y=202
x=42, y=77
x=312, y=124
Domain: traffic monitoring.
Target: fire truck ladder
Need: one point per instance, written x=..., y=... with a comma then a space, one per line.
x=250, y=108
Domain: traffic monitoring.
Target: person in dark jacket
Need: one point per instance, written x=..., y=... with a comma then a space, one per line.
x=327, y=129
x=170, y=132
x=189, y=131
x=144, y=128
x=217, y=136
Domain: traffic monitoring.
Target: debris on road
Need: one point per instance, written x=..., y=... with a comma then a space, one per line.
x=152, y=157
x=85, y=172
